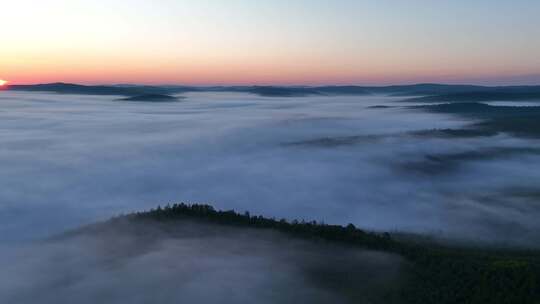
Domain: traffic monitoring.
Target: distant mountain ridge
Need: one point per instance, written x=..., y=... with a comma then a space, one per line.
x=151, y=98
x=70, y=88
x=428, y=91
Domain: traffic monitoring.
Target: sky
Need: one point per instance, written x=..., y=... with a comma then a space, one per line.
x=207, y=42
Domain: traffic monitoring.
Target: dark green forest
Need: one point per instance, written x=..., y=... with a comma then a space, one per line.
x=439, y=273
x=519, y=121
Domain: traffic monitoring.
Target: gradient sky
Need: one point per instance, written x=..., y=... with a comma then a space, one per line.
x=270, y=42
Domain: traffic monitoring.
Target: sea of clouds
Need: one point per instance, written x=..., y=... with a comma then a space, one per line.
x=69, y=160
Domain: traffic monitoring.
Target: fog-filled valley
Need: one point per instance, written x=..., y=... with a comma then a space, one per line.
x=460, y=173
x=269, y=152
x=68, y=160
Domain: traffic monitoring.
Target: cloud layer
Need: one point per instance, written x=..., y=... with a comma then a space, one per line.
x=69, y=160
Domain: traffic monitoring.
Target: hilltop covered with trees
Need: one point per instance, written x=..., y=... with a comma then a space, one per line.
x=439, y=273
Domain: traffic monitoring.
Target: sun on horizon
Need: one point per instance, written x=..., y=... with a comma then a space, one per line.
x=3, y=82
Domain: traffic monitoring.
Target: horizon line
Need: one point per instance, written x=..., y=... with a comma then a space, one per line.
x=8, y=84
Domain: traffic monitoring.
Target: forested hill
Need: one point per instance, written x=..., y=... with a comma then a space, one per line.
x=439, y=273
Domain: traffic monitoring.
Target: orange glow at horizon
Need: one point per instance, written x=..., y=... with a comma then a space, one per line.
x=277, y=42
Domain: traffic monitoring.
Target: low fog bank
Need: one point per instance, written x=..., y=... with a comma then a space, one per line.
x=191, y=262
x=71, y=159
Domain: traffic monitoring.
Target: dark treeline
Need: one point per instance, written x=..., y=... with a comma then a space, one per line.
x=440, y=274
x=519, y=121
x=151, y=98
x=429, y=91
x=349, y=234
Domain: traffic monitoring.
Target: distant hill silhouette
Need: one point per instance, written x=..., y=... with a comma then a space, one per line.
x=68, y=88
x=120, y=90
x=424, y=89
x=520, y=121
x=282, y=91
x=342, y=90
x=516, y=93
x=429, y=92
x=482, y=96
x=151, y=98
